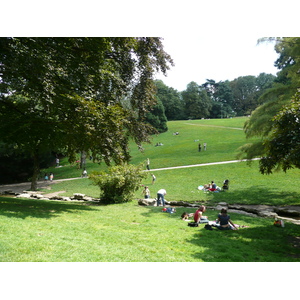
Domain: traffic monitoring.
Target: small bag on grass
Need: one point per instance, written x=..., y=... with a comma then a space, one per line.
x=193, y=224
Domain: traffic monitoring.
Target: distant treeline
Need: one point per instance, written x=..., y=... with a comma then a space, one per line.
x=212, y=99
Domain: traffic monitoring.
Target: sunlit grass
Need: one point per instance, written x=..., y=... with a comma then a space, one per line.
x=37, y=230
x=41, y=231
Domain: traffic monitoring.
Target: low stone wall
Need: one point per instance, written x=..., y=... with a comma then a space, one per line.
x=251, y=210
x=287, y=212
x=40, y=196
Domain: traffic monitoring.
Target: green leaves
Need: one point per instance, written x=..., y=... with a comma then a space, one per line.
x=119, y=183
x=283, y=144
x=88, y=94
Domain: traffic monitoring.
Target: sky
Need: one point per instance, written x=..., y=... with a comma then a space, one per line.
x=220, y=58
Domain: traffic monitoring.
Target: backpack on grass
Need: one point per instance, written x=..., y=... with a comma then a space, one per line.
x=208, y=227
x=193, y=224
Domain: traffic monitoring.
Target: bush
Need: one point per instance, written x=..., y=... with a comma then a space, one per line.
x=118, y=183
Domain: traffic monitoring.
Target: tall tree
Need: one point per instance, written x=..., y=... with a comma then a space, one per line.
x=222, y=98
x=261, y=123
x=282, y=147
x=197, y=102
x=82, y=94
x=244, y=89
x=157, y=118
x=171, y=100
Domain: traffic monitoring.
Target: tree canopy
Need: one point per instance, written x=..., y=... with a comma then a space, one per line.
x=273, y=117
x=78, y=94
x=282, y=146
x=197, y=102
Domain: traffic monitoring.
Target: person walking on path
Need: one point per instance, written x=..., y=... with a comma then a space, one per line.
x=161, y=197
x=148, y=164
x=51, y=176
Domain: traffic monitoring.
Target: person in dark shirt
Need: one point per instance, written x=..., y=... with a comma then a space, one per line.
x=224, y=220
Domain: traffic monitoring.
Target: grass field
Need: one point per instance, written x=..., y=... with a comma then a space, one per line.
x=223, y=137
x=53, y=231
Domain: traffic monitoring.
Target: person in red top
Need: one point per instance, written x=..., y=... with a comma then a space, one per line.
x=198, y=214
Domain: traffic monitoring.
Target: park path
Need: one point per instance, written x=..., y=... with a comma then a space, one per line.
x=42, y=184
x=205, y=164
x=207, y=125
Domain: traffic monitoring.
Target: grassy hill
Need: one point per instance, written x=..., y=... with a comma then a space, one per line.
x=57, y=231
x=223, y=137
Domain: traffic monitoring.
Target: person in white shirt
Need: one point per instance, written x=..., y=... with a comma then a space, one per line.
x=160, y=196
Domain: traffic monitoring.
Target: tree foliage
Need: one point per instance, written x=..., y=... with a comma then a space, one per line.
x=282, y=146
x=197, y=102
x=118, y=184
x=222, y=98
x=171, y=100
x=263, y=122
x=79, y=94
x=157, y=118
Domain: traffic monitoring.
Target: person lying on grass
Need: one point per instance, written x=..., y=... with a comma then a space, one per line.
x=224, y=221
x=198, y=217
x=185, y=216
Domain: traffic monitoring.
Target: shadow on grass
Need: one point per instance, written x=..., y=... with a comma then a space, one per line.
x=20, y=208
x=257, y=195
x=258, y=244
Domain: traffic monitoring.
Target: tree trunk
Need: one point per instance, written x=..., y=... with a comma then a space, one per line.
x=36, y=171
x=83, y=159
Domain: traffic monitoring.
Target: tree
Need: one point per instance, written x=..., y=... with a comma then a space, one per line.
x=222, y=98
x=273, y=99
x=157, y=118
x=197, y=102
x=282, y=146
x=244, y=89
x=78, y=94
x=171, y=100
x=118, y=184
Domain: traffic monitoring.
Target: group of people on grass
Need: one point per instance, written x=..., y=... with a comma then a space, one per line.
x=212, y=187
x=223, y=221
x=48, y=177
x=160, y=195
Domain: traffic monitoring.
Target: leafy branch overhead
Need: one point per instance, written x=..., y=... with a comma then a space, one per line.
x=276, y=120
x=78, y=94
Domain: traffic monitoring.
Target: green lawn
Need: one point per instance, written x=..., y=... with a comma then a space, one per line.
x=36, y=230
x=53, y=231
x=223, y=138
x=247, y=185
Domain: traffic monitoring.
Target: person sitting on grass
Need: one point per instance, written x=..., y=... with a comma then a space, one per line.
x=213, y=186
x=198, y=217
x=224, y=221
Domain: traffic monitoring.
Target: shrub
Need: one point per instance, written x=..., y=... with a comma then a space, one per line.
x=118, y=183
